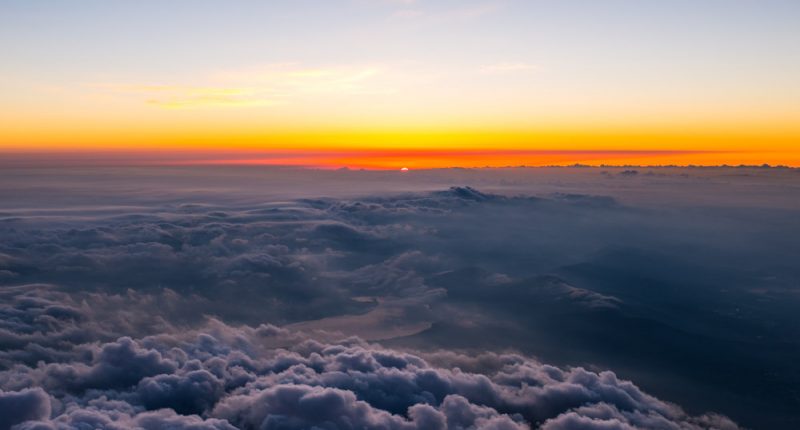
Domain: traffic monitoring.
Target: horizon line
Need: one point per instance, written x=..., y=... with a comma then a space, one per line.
x=394, y=159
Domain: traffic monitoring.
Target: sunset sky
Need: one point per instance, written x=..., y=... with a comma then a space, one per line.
x=400, y=214
x=394, y=83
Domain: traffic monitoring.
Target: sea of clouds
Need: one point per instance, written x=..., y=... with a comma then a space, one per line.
x=220, y=376
x=291, y=299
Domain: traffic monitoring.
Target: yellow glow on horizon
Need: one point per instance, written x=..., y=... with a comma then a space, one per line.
x=346, y=109
x=453, y=78
x=399, y=159
x=379, y=109
x=108, y=137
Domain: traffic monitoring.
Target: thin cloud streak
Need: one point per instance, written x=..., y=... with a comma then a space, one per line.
x=502, y=68
x=268, y=85
x=464, y=13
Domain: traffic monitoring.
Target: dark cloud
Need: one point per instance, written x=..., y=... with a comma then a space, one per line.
x=25, y=405
x=107, y=418
x=118, y=364
x=602, y=416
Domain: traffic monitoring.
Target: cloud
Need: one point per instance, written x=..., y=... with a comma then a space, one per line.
x=187, y=96
x=288, y=79
x=102, y=414
x=24, y=405
x=603, y=416
x=148, y=357
x=191, y=393
x=408, y=13
x=210, y=97
x=477, y=10
x=118, y=364
x=269, y=85
x=228, y=376
x=205, y=308
x=505, y=68
x=462, y=13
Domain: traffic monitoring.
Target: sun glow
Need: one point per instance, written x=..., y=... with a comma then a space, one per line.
x=508, y=100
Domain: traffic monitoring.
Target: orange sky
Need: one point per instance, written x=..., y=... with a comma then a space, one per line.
x=373, y=85
x=396, y=158
x=385, y=150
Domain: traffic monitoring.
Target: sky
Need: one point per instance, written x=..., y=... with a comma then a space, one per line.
x=393, y=83
x=221, y=215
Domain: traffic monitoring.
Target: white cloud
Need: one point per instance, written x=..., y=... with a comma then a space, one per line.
x=501, y=68
x=266, y=85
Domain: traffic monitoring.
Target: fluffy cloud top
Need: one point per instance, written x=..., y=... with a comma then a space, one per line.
x=232, y=315
x=223, y=377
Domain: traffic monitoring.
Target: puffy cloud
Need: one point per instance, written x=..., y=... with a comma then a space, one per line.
x=109, y=419
x=42, y=322
x=25, y=405
x=191, y=393
x=603, y=416
x=171, y=312
x=228, y=377
x=302, y=406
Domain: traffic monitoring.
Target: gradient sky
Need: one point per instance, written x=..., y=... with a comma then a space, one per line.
x=387, y=83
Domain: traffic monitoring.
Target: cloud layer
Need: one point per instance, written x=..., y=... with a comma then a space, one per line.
x=412, y=309
x=223, y=377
